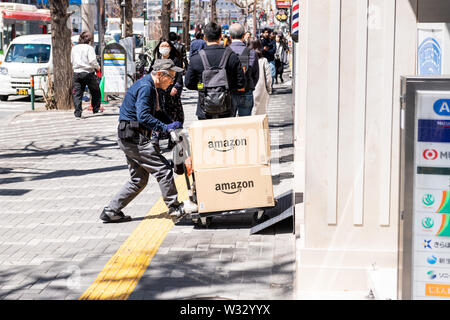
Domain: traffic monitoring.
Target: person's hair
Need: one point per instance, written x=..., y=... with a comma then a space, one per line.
x=154, y=72
x=237, y=31
x=173, y=36
x=85, y=37
x=255, y=44
x=174, y=53
x=213, y=31
x=198, y=35
x=266, y=29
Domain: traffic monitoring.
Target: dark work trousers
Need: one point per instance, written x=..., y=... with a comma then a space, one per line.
x=145, y=158
x=80, y=81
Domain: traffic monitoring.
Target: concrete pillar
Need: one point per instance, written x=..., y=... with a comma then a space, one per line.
x=352, y=54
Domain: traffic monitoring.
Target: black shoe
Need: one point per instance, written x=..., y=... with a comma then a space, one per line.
x=111, y=216
x=177, y=212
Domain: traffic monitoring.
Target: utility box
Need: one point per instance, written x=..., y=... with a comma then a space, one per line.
x=424, y=235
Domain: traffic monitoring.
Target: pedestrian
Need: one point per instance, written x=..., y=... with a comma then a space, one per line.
x=197, y=45
x=263, y=88
x=242, y=101
x=176, y=40
x=269, y=48
x=84, y=62
x=247, y=38
x=136, y=122
x=171, y=97
x=213, y=53
x=280, y=56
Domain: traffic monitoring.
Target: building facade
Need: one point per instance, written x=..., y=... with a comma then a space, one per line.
x=350, y=57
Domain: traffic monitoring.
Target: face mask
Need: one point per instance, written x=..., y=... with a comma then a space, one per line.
x=164, y=51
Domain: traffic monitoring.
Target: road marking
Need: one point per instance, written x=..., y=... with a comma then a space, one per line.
x=122, y=272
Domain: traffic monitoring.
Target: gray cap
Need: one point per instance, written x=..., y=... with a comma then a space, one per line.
x=165, y=65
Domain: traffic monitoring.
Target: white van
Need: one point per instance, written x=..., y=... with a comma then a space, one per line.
x=26, y=55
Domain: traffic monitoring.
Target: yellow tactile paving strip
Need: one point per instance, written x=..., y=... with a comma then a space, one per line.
x=121, y=274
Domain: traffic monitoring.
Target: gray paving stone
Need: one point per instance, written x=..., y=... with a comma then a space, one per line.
x=56, y=225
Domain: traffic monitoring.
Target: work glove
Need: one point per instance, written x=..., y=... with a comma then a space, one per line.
x=174, y=126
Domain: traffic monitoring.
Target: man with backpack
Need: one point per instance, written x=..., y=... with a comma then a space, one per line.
x=215, y=72
x=242, y=100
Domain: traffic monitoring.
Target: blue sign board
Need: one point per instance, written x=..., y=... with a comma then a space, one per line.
x=433, y=130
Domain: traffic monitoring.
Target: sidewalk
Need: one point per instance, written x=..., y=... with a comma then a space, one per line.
x=57, y=174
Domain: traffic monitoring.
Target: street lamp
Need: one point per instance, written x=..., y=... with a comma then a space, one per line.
x=145, y=25
x=122, y=6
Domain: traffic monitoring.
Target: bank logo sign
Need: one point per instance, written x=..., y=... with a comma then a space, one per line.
x=442, y=107
x=432, y=259
x=427, y=223
x=428, y=199
x=430, y=154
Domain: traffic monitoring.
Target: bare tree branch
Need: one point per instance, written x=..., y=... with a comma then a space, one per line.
x=242, y=6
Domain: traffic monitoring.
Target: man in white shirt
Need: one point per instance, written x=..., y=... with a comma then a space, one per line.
x=84, y=62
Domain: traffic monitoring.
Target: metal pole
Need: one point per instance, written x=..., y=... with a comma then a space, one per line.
x=32, y=92
x=122, y=5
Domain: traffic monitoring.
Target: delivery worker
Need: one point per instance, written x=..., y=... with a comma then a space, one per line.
x=136, y=122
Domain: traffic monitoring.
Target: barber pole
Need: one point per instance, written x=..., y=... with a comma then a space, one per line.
x=295, y=19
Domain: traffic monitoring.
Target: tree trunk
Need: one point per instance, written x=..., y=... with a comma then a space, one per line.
x=165, y=18
x=213, y=11
x=128, y=18
x=61, y=50
x=187, y=23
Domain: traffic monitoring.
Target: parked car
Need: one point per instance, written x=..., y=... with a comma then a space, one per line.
x=26, y=55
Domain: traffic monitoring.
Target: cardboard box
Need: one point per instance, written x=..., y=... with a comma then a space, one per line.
x=222, y=189
x=230, y=142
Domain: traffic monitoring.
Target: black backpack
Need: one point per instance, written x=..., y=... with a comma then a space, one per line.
x=214, y=91
x=244, y=57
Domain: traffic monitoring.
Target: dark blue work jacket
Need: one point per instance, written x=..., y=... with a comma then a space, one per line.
x=139, y=105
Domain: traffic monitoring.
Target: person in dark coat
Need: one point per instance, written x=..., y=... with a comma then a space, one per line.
x=171, y=97
x=197, y=45
x=243, y=101
x=214, y=52
x=269, y=49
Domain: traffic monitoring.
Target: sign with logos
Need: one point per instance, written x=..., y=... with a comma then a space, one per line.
x=115, y=68
x=429, y=55
x=433, y=41
x=283, y=3
x=431, y=208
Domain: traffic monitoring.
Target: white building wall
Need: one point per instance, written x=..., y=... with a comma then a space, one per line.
x=351, y=55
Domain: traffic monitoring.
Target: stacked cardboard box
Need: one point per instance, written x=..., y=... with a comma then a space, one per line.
x=231, y=162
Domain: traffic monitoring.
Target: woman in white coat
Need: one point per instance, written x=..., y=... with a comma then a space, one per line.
x=263, y=89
